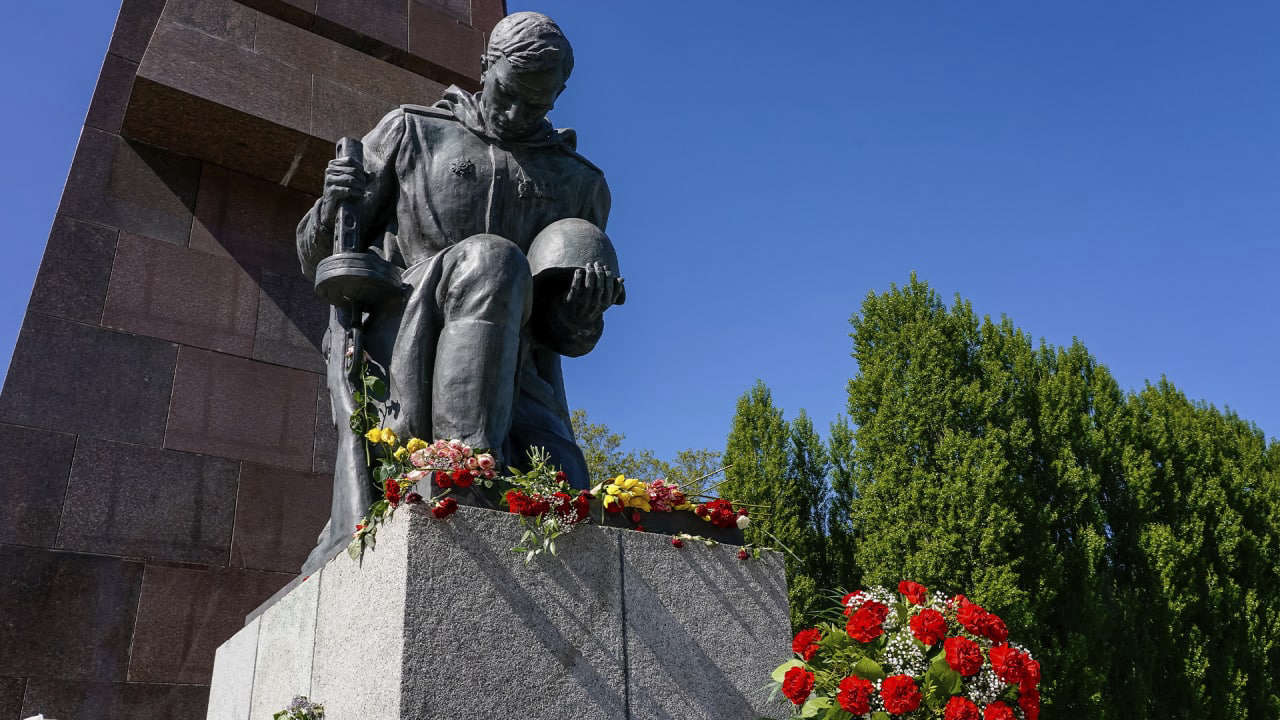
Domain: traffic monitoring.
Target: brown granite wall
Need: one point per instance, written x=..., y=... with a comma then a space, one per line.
x=163, y=424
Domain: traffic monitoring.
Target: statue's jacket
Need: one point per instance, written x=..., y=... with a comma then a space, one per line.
x=436, y=176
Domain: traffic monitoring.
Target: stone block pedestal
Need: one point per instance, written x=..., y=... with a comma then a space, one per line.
x=442, y=620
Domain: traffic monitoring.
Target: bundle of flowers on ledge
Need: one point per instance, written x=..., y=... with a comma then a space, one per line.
x=910, y=654
x=547, y=506
x=301, y=709
x=404, y=472
x=418, y=472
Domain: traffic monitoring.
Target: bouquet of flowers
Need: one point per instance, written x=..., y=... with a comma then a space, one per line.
x=910, y=654
x=547, y=506
x=404, y=472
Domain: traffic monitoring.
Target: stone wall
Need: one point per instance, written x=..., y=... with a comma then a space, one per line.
x=163, y=421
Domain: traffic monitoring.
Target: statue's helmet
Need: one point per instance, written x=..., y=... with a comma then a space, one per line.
x=569, y=244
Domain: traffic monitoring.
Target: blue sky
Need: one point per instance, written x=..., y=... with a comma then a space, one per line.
x=1108, y=171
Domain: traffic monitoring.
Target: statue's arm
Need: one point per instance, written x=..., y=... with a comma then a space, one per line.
x=381, y=148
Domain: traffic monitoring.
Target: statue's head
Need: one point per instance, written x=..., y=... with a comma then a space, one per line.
x=526, y=66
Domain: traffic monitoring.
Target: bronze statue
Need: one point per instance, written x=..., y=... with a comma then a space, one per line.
x=479, y=259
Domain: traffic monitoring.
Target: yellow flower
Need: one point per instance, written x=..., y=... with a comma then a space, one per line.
x=686, y=506
x=374, y=435
x=610, y=500
x=400, y=453
x=388, y=436
x=415, y=444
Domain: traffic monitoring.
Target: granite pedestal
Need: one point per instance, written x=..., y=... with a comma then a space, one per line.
x=443, y=620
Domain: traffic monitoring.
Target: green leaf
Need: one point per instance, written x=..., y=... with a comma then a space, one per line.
x=880, y=715
x=869, y=669
x=357, y=397
x=354, y=549
x=378, y=388
x=814, y=705
x=779, y=673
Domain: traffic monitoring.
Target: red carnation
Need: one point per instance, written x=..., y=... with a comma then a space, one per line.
x=445, y=508
x=677, y=542
x=392, y=491
x=581, y=506
x=959, y=708
x=998, y=711
x=517, y=502
x=963, y=655
x=743, y=554
x=929, y=626
x=973, y=617
x=1009, y=664
x=1032, y=676
x=443, y=479
x=852, y=601
x=865, y=624
x=900, y=694
x=413, y=498
x=1029, y=701
x=560, y=476
x=993, y=628
x=805, y=643
x=854, y=695
x=914, y=591
x=797, y=684
x=462, y=477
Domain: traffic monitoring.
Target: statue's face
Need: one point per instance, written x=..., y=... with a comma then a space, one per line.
x=515, y=102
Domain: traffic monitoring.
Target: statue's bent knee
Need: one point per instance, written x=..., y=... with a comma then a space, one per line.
x=489, y=279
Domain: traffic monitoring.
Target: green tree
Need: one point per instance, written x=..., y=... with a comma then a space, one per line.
x=779, y=470
x=1130, y=539
x=842, y=567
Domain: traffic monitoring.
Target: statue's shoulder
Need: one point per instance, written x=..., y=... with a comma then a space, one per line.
x=427, y=111
x=568, y=144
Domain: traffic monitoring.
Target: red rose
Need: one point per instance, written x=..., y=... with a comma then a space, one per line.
x=1029, y=701
x=900, y=694
x=797, y=684
x=445, y=508
x=915, y=592
x=805, y=643
x=413, y=498
x=865, y=624
x=959, y=708
x=929, y=626
x=998, y=711
x=1009, y=664
x=973, y=617
x=993, y=628
x=677, y=542
x=963, y=655
x=854, y=695
x=443, y=479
